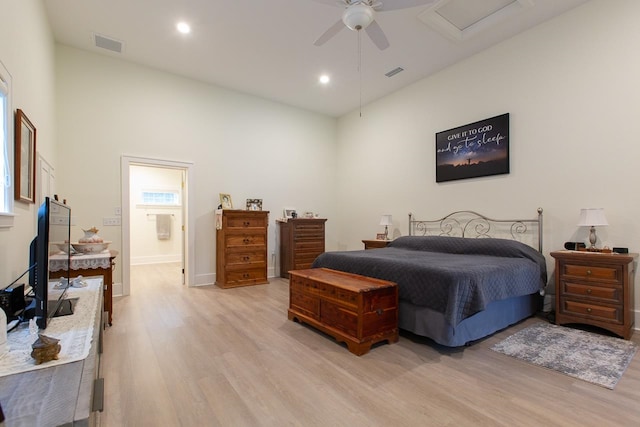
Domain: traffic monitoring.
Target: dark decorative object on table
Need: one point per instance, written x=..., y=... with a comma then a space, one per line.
x=45, y=349
x=574, y=246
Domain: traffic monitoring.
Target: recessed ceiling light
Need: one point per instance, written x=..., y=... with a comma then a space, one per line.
x=324, y=79
x=183, y=27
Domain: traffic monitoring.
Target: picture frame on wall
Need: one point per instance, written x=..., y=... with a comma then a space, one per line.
x=25, y=153
x=225, y=201
x=473, y=150
x=254, y=204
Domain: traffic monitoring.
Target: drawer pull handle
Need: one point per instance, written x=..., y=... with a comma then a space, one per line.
x=588, y=310
x=247, y=223
x=246, y=241
x=588, y=272
x=379, y=312
x=588, y=291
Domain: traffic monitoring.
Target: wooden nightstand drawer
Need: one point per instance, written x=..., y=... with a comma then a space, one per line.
x=592, y=272
x=610, y=294
x=592, y=311
x=375, y=244
x=595, y=289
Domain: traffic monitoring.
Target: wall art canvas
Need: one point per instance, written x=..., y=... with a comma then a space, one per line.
x=473, y=150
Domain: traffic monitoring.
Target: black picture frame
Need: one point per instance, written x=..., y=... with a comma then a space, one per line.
x=254, y=204
x=474, y=150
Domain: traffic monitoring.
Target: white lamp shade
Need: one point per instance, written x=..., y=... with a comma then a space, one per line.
x=386, y=220
x=591, y=217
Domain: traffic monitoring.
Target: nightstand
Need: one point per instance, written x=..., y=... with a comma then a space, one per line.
x=595, y=289
x=375, y=244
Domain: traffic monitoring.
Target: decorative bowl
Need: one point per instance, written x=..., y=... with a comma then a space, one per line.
x=90, y=248
x=62, y=246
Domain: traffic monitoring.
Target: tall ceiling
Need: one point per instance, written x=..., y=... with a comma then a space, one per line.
x=266, y=47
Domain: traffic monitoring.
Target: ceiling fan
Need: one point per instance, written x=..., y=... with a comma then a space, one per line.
x=360, y=14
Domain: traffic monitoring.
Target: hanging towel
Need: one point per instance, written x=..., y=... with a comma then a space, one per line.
x=163, y=226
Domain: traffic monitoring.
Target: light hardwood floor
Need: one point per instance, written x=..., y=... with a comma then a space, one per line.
x=205, y=356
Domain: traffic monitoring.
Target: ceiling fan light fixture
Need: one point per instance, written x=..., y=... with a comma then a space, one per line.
x=358, y=16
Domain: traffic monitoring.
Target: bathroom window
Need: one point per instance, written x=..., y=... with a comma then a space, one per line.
x=160, y=198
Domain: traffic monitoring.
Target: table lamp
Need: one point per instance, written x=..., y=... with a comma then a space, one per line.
x=386, y=221
x=592, y=217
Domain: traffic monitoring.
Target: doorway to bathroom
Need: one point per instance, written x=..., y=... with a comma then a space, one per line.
x=155, y=214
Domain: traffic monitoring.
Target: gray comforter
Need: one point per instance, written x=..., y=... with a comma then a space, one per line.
x=454, y=276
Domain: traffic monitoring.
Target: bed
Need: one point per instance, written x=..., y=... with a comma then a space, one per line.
x=460, y=278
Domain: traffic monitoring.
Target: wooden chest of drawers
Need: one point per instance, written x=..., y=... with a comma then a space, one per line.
x=357, y=310
x=241, y=248
x=301, y=241
x=595, y=289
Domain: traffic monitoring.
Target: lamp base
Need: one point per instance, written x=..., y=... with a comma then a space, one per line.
x=592, y=238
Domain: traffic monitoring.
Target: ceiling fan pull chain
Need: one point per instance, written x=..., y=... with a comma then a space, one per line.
x=360, y=66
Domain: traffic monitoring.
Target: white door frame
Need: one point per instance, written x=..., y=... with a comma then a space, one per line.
x=188, y=217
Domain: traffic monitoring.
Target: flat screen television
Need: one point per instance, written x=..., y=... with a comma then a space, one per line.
x=53, y=238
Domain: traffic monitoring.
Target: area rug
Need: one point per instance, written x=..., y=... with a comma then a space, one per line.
x=588, y=356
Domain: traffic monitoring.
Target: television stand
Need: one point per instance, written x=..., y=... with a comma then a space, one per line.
x=65, y=393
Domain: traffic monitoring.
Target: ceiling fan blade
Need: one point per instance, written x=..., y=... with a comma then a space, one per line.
x=385, y=4
x=344, y=3
x=377, y=35
x=332, y=31
x=402, y=4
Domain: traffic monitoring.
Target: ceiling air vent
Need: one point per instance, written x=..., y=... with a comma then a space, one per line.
x=394, y=72
x=107, y=43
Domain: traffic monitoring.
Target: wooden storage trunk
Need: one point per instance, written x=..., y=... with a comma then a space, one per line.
x=357, y=310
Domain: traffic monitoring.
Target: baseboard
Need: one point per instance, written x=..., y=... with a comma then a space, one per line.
x=155, y=259
x=116, y=289
x=204, y=279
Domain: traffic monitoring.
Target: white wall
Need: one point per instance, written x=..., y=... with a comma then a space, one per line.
x=27, y=51
x=571, y=88
x=239, y=144
x=145, y=246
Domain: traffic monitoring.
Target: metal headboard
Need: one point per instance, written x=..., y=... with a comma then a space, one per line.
x=473, y=225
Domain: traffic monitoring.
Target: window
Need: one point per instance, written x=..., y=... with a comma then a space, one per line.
x=160, y=198
x=6, y=145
